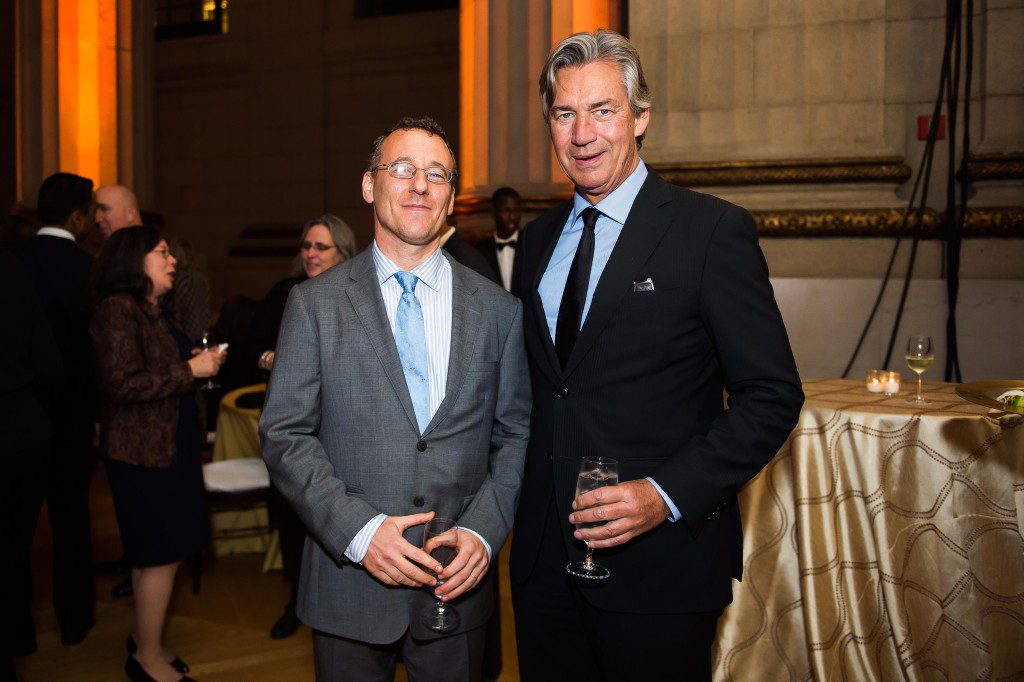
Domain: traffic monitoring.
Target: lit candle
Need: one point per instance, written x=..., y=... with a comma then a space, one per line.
x=891, y=383
x=875, y=381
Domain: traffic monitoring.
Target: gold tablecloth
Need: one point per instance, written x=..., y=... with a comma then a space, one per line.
x=237, y=437
x=883, y=542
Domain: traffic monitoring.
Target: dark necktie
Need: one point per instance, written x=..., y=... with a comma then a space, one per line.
x=501, y=245
x=570, y=311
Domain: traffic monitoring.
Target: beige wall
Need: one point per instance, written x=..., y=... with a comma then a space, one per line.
x=270, y=125
x=741, y=80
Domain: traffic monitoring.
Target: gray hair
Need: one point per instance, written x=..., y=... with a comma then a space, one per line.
x=341, y=234
x=601, y=45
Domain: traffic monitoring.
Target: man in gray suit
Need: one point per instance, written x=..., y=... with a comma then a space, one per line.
x=399, y=391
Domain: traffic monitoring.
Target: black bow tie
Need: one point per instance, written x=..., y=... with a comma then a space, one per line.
x=501, y=245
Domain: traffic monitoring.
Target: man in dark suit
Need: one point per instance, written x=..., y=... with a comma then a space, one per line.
x=642, y=302
x=500, y=251
x=30, y=381
x=464, y=254
x=59, y=272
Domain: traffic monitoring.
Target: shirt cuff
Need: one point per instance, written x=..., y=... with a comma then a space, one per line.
x=486, y=546
x=671, y=506
x=356, y=549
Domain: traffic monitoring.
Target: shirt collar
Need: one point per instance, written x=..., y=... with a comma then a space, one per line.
x=511, y=240
x=50, y=231
x=429, y=271
x=617, y=204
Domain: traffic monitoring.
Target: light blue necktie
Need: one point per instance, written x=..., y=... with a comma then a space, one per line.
x=411, y=340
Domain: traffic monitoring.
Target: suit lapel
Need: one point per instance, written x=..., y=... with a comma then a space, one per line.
x=369, y=306
x=642, y=232
x=542, y=345
x=466, y=316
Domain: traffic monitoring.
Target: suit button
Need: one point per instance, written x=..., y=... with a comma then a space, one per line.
x=562, y=392
x=421, y=446
x=417, y=501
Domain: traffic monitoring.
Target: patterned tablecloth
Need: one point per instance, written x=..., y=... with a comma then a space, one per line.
x=883, y=542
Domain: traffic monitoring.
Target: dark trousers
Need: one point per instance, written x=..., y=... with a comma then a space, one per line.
x=67, y=501
x=291, y=533
x=457, y=658
x=21, y=497
x=560, y=635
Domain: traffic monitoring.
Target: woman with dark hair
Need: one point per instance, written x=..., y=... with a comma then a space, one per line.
x=325, y=242
x=147, y=373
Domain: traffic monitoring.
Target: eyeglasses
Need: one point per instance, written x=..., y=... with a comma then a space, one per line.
x=306, y=246
x=165, y=252
x=404, y=170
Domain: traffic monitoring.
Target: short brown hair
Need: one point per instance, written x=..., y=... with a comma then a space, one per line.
x=426, y=124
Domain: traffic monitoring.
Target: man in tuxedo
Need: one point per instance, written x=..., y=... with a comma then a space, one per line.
x=642, y=302
x=500, y=251
x=59, y=272
x=399, y=393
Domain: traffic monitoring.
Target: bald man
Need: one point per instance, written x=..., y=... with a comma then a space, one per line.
x=116, y=207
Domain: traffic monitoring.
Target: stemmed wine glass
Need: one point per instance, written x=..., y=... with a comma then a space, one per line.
x=440, y=540
x=920, y=356
x=595, y=472
x=206, y=344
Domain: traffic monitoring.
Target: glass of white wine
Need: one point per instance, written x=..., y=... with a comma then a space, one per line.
x=920, y=355
x=595, y=472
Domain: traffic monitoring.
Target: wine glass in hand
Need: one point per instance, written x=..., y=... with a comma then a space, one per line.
x=595, y=472
x=206, y=342
x=920, y=356
x=440, y=540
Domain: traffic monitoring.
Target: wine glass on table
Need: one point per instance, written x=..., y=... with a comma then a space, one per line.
x=595, y=472
x=920, y=355
x=207, y=344
x=440, y=540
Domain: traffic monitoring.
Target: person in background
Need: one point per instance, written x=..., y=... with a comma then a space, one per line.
x=325, y=242
x=190, y=298
x=501, y=252
x=147, y=371
x=116, y=208
x=466, y=254
x=31, y=379
x=59, y=273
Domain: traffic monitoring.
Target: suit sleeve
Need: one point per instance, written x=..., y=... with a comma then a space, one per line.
x=298, y=465
x=494, y=506
x=743, y=320
x=123, y=372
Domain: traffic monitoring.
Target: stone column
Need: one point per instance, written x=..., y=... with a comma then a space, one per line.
x=84, y=95
x=503, y=138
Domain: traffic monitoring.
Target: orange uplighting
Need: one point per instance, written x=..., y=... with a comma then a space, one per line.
x=473, y=75
x=87, y=88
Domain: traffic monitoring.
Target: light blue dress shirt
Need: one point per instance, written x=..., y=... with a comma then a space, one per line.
x=436, y=301
x=614, y=210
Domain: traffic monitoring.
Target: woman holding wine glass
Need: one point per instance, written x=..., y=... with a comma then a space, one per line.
x=147, y=371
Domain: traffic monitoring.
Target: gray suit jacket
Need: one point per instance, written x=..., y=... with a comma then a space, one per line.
x=340, y=439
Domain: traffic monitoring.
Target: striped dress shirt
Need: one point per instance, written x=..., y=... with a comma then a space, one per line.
x=434, y=292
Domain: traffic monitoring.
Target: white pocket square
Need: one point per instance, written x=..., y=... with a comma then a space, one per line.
x=646, y=285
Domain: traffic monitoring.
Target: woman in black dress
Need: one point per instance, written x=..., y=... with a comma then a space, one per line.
x=151, y=436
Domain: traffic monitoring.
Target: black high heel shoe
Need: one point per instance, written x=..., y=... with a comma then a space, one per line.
x=178, y=664
x=136, y=673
